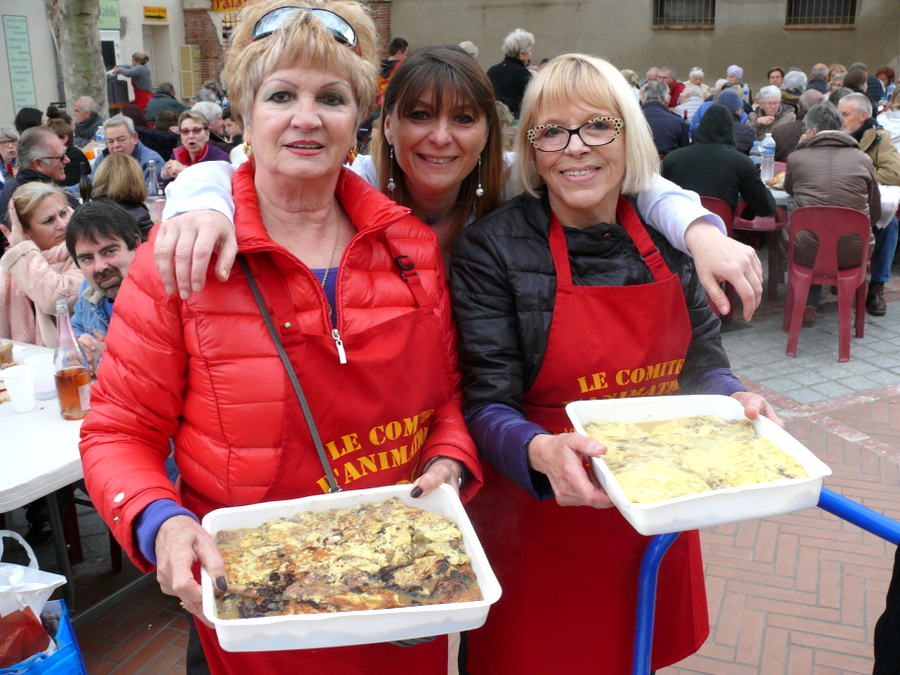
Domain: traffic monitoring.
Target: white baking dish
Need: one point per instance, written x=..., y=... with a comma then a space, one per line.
x=707, y=509
x=350, y=628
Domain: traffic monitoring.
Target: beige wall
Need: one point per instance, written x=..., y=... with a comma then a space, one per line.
x=166, y=38
x=749, y=33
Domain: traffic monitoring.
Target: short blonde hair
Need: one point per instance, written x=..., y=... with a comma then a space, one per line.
x=120, y=178
x=301, y=41
x=573, y=78
x=27, y=198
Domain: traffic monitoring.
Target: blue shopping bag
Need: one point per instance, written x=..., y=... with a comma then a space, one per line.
x=66, y=660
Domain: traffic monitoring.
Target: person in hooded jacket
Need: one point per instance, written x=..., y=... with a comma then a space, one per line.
x=712, y=166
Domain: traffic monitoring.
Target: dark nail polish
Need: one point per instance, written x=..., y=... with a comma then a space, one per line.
x=221, y=585
x=416, y=492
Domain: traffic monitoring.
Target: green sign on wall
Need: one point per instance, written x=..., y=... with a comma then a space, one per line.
x=18, y=56
x=109, y=15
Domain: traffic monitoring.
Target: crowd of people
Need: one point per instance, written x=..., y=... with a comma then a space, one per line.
x=445, y=256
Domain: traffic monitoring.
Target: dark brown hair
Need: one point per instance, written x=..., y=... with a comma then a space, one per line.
x=455, y=78
x=855, y=78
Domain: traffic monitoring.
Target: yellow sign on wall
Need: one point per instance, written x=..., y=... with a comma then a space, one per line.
x=156, y=13
x=227, y=5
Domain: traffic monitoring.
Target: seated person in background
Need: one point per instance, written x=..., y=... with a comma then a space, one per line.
x=196, y=147
x=793, y=85
x=122, y=138
x=667, y=75
x=669, y=130
x=121, y=180
x=712, y=167
x=213, y=113
x=829, y=169
x=165, y=137
x=889, y=119
x=690, y=100
x=164, y=99
x=87, y=120
x=856, y=112
x=36, y=269
x=775, y=76
x=233, y=129
x=42, y=159
x=9, y=152
x=77, y=158
x=771, y=112
x=713, y=97
x=788, y=135
x=744, y=135
x=102, y=239
x=836, y=82
x=818, y=75
x=695, y=77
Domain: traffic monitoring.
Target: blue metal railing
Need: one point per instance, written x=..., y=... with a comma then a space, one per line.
x=838, y=505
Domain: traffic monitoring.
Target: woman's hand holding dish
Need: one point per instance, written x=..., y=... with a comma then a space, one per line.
x=438, y=471
x=560, y=458
x=181, y=542
x=755, y=405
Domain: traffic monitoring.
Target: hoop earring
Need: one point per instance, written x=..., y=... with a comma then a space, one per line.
x=391, y=185
x=479, y=191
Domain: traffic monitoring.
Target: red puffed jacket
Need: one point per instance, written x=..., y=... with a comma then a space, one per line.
x=205, y=372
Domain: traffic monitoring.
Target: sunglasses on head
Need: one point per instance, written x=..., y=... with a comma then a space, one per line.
x=341, y=30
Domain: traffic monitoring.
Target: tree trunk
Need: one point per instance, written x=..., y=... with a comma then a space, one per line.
x=74, y=25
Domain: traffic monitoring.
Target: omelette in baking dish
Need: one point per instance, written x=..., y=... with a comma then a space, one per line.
x=688, y=456
x=371, y=556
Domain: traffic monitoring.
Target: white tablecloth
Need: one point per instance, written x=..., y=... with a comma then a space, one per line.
x=39, y=449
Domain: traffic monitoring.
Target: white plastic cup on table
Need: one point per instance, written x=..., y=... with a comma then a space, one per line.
x=44, y=380
x=20, y=387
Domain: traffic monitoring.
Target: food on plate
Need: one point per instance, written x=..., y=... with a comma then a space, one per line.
x=689, y=455
x=371, y=556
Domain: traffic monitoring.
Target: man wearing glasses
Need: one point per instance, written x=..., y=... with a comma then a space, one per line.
x=42, y=156
x=121, y=137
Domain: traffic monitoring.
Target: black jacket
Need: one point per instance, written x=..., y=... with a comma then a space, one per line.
x=712, y=167
x=503, y=285
x=163, y=101
x=85, y=131
x=818, y=84
x=510, y=77
x=744, y=136
x=669, y=130
x=73, y=168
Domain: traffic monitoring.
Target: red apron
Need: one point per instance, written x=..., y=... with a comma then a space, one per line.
x=361, y=409
x=141, y=97
x=570, y=574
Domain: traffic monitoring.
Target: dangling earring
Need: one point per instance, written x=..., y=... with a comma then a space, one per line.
x=479, y=191
x=391, y=185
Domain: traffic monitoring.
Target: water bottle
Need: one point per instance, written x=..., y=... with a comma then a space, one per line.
x=745, y=91
x=756, y=156
x=767, y=150
x=153, y=188
x=100, y=136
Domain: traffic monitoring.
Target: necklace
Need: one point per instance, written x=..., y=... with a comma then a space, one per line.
x=337, y=236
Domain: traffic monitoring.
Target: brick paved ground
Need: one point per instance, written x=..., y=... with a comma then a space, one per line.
x=793, y=595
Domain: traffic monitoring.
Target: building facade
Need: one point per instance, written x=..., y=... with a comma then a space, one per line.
x=186, y=39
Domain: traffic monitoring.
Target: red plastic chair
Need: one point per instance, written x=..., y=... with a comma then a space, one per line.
x=722, y=209
x=828, y=223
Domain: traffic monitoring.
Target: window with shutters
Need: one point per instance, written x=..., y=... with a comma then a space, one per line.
x=684, y=14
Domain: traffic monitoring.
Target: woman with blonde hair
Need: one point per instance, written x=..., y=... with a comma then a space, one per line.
x=141, y=78
x=119, y=179
x=571, y=252
x=835, y=69
x=36, y=268
x=332, y=260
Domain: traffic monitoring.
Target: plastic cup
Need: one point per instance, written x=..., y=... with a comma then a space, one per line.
x=44, y=380
x=20, y=387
